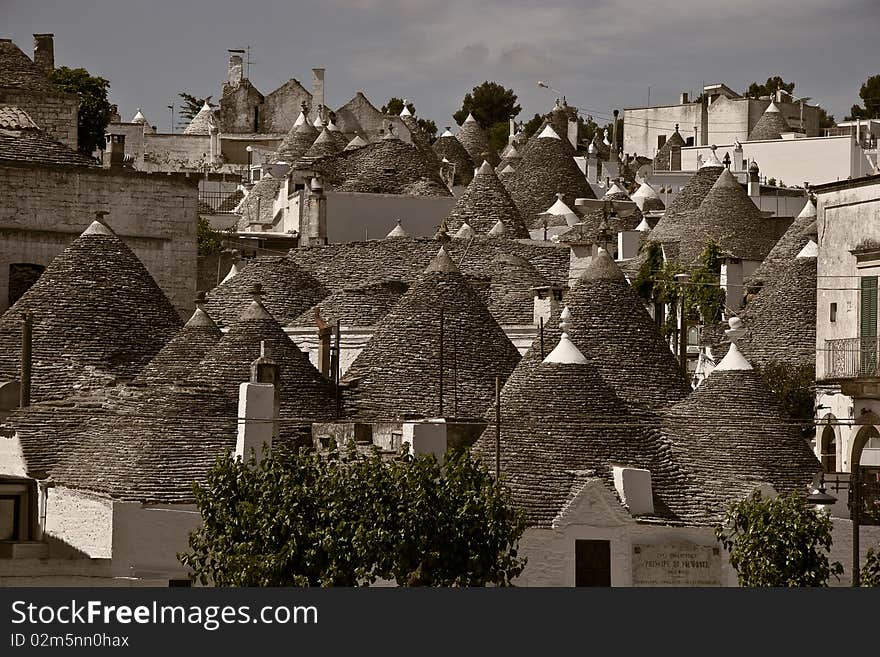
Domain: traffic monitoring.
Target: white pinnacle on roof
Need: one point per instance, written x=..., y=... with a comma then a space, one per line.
x=591, y=149
x=447, y=133
x=548, y=133
x=332, y=127
x=809, y=210
x=465, y=231
x=616, y=189
x=98, y=228
x=509, y=151
x=771, y=108
x=233, y=272
x=644, y=191
x=300, y=120
x=318, y=123
x=810, y=250
x=734, y=360
x=712, y=160
x=139, y=117
x=498, y=229
x=470, y=118
x=559, y=208
x=565, y=352
x=643, y=226
x=357, y=142
x=398, y=231
x=508, y=169
x=405, y=111
x=484, y=169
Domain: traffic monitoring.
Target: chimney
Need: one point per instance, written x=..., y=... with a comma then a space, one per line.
x=684, y=98
x=546, y=302
x=114, y=152
x=634, y=488
x=314, y=224
x=234, y=72
x=754, y=186
x=325, y=332
x=44, y=52
x=426, y=437
x=318, y=87
x=573, y=133
x=613, y=156
x=259, y=401
x=511, y=130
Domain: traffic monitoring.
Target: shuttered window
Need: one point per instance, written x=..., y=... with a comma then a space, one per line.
x=868, y=325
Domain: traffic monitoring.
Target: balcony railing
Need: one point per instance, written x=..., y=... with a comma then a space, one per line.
x=851, y=358
x=218, y=202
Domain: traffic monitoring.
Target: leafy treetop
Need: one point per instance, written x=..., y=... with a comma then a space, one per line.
x=190, y=107
x=870, y=95
x=394, y=107
x=490, y=103
x=94, y=108
x=770, y=87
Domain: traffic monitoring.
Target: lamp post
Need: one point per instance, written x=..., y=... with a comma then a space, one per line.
x=802, y=101
x=682, y=280
x=250, y=155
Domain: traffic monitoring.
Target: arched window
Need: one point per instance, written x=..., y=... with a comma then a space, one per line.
x=21, y=276
x=829, y=449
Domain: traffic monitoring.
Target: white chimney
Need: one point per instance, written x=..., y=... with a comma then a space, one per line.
x=628, y=244
x=426, y=437
x=684, y=98
x=634, y=488
x=256, y=419
x=318, y=88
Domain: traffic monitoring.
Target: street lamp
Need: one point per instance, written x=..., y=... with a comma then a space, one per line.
x=819, y=498
x=682, y=280
x=250, y=152
x=802, y=101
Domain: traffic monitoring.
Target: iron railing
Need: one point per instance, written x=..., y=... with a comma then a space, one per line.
x=218, y=202
x=851, y=358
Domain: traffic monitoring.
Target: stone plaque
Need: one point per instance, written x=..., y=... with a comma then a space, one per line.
x=681, y=564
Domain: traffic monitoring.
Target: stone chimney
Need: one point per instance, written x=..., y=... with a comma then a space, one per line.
x=258, y=404
x=114, y=152
x=44, y=52
x=314, y=218
x=318, y=87
x=234, y=72
x=754, y=186
x=325, y=332
x=684, y=98
x=613, y=156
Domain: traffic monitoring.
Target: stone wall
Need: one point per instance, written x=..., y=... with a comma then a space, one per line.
x=281, y=108
x=176, y=152
x=79, y=521
x=46, y=207
x=240, y=108
x=56, y=114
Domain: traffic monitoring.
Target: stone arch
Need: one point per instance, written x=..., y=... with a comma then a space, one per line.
x=829, y=445
x=867, y=432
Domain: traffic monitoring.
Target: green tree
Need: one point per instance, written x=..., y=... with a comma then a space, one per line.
x=870, y=95
x=826, y=120
x=778, y=542
x=190, y=107
x=210, y=241
x=490, y=103
x=870, y=573
x=394, y=107
x=770, y=87
x=532, y=125
x=794, y=386
x=301, y=519
x=94, y=108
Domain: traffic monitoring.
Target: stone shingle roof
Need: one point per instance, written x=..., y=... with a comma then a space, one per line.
x=98, y=316
x=728, y=217
x=389, y=166
x=647, y=198
x=613, y=329
x=15, y=118
x=296, y=143
x=668, y=229
x=420, y=139
x=484, y=203
x=476, y=142
x=771, y=125
x=356, y=306
x=179, y=357
x=202, y=122
x=545, y=169
x=662, y=160
x=17, y=71
x=511, y=294
x=258, y=207
x=288, y=290
x=449, y=147
x=789, y=245
x=323, y=146
x=22, y=141
x=509, y=155
x=732, y=435
x=395, y=373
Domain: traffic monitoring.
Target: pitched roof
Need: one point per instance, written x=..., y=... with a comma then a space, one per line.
x=663, y=158
x=395, y=370
x=179, y=357
x=98, y=316
x=613, y=329
x=356, y=306
x=484, y=203
x=545, y=169
x=288, y=290
x=17, y=71
x=21, y=140
x=668, y=229
x=732, y=435
x=389, y=166
x=728, y=217
x=258, y=207
x=771, y=125
x=476, y=142
x=449, y=147
x=202, y=122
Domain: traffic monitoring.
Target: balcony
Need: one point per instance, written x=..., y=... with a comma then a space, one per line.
x=853, y=362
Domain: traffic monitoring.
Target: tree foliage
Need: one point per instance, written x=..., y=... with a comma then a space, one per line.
x=190, y=107
x=210, y=241
x=394, y=107
x=490, y=103
x=94, y=108
x=770, y=87
x=300, y=519
x=778, y=542
x=793, y=385
x=870, y=572
x=870, y=95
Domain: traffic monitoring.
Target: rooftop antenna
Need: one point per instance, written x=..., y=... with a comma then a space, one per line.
x=247, y=52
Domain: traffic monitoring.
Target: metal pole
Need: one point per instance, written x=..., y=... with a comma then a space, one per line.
x=542, y=337
x=338, y=368
x=441, y=361
x=682, y=337
x=855, y=501
x=26, y=360
x=497, y=428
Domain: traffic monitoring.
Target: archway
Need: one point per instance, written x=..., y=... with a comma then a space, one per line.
x=828, y=449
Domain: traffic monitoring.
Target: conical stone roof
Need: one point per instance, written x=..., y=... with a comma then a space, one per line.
x=476, y=142
x=509, y=157
x=296, y=143
x=663, y=158
x=449, y=147
x=668, y=229
x=613, y=329
x=398, y=373
x=545, y=169
x=647, y=198
x=512, y=280
x=98, y=316
x=771, y=125
x=202, y=122
x=787, y=248
x=484, y=203
x=357, y=306
x=323, y=146
x=732, y=435
x=420, y=139
x=728, y=217
x=179, y=357
x=288, y=290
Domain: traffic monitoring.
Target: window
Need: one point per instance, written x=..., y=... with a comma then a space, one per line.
x=829, y=449
x=689, y=141
x=833, y=313
x=17, y=513
x=661, y=139
x=868, y=324
x=592, y=563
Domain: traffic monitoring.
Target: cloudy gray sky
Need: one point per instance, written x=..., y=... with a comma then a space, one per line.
x=602, y=54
